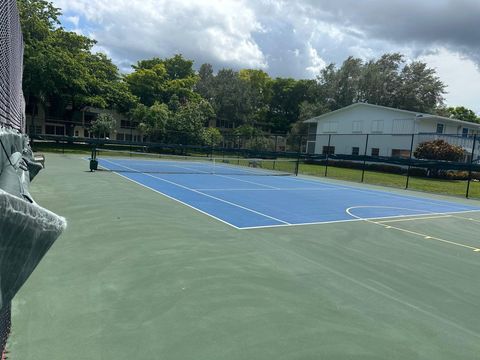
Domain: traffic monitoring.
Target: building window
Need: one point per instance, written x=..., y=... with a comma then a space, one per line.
x=400, y=153
x=440, y=128
x=355, y=150
x=54, y=129
x=377, y=126
x=464, y=132
x=357, y=126
x=50, y=129
x=120, y=136
x=375, y=152
x=35, y=129
x=330, y=127
x=224, y=124
x=76, y=133
x=328, y=150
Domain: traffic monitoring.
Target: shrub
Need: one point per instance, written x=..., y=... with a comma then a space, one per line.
x=439, y=150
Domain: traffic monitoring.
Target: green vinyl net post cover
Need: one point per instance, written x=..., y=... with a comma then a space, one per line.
x=143, y=162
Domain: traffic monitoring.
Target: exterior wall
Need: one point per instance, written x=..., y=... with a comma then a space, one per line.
x=367, y=120
x=43, y=125
x=385, y=144
x=360, y=121
x=449, y=127
x=347, y=129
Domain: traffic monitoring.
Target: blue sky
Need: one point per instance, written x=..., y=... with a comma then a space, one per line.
x=289, y=39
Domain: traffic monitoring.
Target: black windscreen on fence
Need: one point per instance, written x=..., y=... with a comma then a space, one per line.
x=379, y=159
x=399, y=160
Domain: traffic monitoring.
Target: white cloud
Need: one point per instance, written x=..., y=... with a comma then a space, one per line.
x=204, y=31
x=461, y=75
x=316, y=62
x=74, y=20
x=288, y=38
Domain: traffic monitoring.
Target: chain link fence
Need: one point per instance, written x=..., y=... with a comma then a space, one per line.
x=390, y=160
x=12, y=103
x=12, y=115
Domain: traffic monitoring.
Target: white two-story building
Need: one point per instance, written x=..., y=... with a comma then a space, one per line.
x=389, y=130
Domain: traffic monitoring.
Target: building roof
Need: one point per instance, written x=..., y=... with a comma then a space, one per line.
x=415, y=114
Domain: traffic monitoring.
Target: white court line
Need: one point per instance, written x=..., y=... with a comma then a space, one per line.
x=228, y=177
x=275, y=189
x=352, y=220
x=284, y=223
x=464, y=218
x=416, y=218
x=250, y=182
x=425, y=236
x=207, y=195
x=373, y=191
x=179, y=201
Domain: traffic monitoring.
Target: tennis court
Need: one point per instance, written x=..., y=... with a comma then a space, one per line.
x=246, y=197
x=212, y=263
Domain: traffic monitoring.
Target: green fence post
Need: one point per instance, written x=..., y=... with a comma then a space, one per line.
x=409, y=162
x=364, y=159
x=471, y=165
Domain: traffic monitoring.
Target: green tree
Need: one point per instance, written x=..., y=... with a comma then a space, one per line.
x=259, y=87
x=147, y=83
x=231, y=100
x=421, y=89
x=152, y=120
x=462, y=113
x=158, y=80
x=388, y=81
x=38, y=20
x=104, y=124
x=212, y=137
x=187, y=125
x=205, y=83
x=179, y=68
x=284, y=107
x=380, y=82
x=60, y=69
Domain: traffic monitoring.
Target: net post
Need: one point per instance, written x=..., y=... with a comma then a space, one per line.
x=364, y=159
x=471, y=165
x=409, y=162
x=328, y=153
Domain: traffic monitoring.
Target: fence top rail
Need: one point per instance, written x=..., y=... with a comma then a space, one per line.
x=392, y=134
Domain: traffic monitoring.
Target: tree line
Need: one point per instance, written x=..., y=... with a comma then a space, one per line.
x=167, y=99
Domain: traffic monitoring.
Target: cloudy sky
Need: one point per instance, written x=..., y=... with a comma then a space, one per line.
x=289, y=38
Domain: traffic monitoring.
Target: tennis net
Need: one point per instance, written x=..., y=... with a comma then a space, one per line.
x=141, y=162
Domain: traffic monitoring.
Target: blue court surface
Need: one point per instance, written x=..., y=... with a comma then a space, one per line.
x=247, y=200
